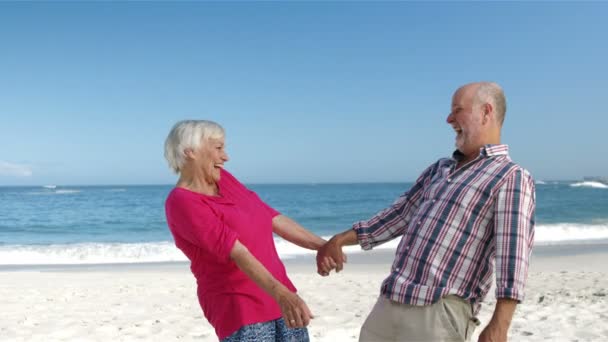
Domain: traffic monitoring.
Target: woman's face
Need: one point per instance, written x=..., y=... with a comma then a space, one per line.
x=211, y=159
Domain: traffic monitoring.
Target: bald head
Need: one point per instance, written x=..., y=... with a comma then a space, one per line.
x=489, y=92
x=478, y=111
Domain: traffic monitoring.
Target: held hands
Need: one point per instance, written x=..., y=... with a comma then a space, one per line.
x=295, y=312
x=330, y=256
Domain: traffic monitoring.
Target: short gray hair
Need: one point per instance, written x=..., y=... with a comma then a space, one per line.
x=491, y=92
x=189, y=134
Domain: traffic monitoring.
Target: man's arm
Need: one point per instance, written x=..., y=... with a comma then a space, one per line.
x=497, y=329
x=514, y=234
x=382, y=227
x=394, y=220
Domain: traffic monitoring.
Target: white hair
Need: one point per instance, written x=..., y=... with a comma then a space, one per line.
x=189, y=134
x=491, y=92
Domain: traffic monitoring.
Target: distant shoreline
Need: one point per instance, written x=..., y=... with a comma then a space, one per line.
x=545, y=181
x=168, y=185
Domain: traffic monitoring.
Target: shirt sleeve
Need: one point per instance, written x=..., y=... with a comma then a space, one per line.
x=392, y=221
x=514, y=233
x=270, y=210
x=197, y=223
x=230, y=178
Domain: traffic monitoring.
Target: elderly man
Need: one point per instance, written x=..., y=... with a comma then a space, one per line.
x=463, y=217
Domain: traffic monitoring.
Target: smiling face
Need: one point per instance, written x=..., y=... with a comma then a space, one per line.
x=466, y=118
x=210, y=159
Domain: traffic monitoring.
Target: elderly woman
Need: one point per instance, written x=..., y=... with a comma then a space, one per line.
x=226, y=231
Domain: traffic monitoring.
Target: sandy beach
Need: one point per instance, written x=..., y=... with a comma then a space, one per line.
x=566, y=299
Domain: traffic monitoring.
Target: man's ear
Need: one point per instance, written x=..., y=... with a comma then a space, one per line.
x=488, y=112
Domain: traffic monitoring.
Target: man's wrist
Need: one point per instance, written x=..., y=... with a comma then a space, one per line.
x=499, y=326
x=345, y=238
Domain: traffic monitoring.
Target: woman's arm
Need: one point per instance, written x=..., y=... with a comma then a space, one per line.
x=291, y=231
x=295, y=312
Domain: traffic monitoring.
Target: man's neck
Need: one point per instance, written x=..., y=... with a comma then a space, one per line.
x=463, y=159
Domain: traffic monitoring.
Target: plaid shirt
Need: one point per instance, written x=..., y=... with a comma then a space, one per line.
x=453, y=225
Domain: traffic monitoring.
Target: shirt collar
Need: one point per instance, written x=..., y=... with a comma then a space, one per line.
x=489, y=150
x=492, y=150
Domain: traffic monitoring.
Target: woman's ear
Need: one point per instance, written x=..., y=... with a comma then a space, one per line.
x=189, y=153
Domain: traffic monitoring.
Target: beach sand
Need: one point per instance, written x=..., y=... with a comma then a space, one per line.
x=566, y=299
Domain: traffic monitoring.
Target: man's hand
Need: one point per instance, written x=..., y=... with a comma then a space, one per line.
x=497, y=329
x=330, y=256
x=493, y=333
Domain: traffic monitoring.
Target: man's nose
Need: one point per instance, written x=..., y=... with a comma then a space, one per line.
x=450, y=118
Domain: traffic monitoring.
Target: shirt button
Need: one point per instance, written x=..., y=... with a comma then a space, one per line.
x=397, y=269
x=434, y=201
x=419, y=222
x=449, y=180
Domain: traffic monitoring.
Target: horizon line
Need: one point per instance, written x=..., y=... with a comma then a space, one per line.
x=246, y=183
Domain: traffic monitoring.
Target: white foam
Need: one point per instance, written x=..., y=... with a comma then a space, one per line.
x=165, y=251
x=110, y=253
x=570, y=232
x=590, y=184
x=67, y=191
x=540, y=182
x=89, y=253
x=288, y=250
x=54, y=192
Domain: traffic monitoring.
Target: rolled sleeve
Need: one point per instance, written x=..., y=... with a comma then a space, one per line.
x=393, y=221
x=196, y=223
x=384, y=226
x=270, y=210
x=514, y=222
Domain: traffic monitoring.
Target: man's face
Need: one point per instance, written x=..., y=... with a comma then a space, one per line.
x=466, y=120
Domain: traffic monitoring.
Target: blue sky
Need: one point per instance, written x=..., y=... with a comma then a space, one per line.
x=308, y=92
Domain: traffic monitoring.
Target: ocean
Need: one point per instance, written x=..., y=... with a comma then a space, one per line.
x=126, y=224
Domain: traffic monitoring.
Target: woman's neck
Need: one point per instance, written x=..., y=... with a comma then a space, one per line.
x=197, y=184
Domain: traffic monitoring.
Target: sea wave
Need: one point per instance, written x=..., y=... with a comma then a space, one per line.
x=54, y=192
x=570, y=232
x=590, y=184
x=89, y=253
x=117, y=253
x=165, y=251
x=67, y=191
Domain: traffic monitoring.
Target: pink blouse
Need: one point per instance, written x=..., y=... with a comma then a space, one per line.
x=206, y=228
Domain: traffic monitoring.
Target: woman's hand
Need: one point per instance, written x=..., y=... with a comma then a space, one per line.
x=330, y=256
x=295, y=312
